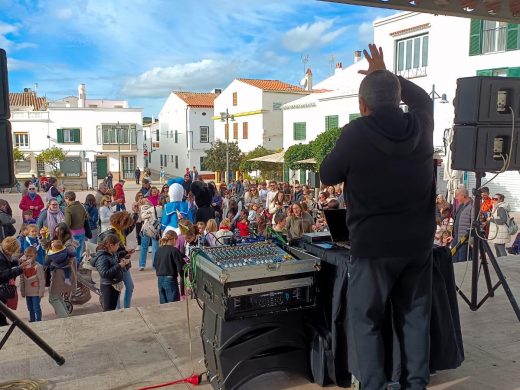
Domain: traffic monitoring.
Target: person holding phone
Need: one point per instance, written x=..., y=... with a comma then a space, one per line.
x=111, y=270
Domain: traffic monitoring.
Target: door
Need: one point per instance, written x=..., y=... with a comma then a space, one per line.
x=128, y=165
x=102, y=167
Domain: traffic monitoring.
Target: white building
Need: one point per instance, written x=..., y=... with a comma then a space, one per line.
x=255, y=106
x=432, y=51
x=97, y=135
x=184, y=133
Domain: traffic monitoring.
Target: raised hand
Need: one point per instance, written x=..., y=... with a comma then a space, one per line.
x=375, y=59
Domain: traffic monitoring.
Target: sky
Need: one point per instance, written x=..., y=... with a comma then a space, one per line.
x=141, y=50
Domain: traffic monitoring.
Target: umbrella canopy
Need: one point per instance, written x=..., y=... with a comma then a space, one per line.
x=272, y=158
x=307, y=161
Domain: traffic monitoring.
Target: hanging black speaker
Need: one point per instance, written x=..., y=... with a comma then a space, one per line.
x=7, y=178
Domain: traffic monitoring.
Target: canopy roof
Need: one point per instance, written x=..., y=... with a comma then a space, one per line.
x=506, y=10
x=272, y=158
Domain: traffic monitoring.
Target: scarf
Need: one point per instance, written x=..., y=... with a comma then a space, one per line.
x=32, y=195
x=121, y=236
x=53, y=219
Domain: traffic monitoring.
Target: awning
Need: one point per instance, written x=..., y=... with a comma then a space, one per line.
x=307, y=161
x=272, y=158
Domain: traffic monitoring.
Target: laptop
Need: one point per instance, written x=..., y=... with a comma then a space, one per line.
x=336, y=221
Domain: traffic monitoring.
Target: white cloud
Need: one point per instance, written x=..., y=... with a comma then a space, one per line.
x=366, y=32
x=7, y=42
x=195, y=76
x=64, y=13
x=313, y=35
x=14, y=64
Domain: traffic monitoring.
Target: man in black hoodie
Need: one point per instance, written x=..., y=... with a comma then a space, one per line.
x=391, y=231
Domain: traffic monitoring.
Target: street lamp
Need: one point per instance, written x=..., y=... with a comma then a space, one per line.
x=225, y=117
x=434, y=95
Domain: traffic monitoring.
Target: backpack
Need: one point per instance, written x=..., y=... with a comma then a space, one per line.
x=512, y=227
x=152, y=229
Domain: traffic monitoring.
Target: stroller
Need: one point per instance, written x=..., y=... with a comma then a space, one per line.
x=86, y=285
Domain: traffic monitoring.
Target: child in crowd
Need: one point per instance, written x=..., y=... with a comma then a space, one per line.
x=279, y=223
x=27, y=217
x=200, y=232
x=243, y=224
x=59, y=257
x=32, y=239
x=211, y=228
x=224, y=233
x=252, y=213
x=22, y=234
x=168, y=265
x=32, y=284
x=261, y=220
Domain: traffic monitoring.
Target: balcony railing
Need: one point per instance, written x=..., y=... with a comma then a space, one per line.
x=30, y=115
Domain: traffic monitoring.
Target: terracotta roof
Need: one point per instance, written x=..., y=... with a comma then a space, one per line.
x=196, y=99
x=27, y=99
x=274, y=85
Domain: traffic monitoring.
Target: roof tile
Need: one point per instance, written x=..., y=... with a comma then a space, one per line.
x=27, y=99
x=196, y=99
x=274, y=85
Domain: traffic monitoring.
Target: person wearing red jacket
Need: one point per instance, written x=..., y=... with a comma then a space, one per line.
x=32, y=201
x=119, y=196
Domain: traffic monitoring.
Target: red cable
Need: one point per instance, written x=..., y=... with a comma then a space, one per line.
x=194, y=380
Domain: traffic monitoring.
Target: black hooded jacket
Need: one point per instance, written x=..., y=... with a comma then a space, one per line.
x=386, y=162
x=107, y=265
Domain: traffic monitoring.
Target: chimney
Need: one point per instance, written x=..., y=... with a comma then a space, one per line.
x=357, y=56
x=339, y=68
x=82, y=95
x=308, y=80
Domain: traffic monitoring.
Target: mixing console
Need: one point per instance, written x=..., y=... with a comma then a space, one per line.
x=231, y=257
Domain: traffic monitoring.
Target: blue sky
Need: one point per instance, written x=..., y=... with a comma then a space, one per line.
x=140, y=50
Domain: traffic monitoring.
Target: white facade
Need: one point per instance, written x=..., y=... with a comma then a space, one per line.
x=257, y=114
x=436, y=69
x=96, y=140
x=185, y=133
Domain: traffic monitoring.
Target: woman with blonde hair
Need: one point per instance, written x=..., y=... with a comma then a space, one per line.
x=9, y=270
x=211, y=229
x=168, y=265
x=105, y=213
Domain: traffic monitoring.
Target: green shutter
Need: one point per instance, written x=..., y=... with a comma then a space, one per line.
x=76, y=136
x=512, y=37
x=299, y=131
x=331, y=122
x=475, y=37
x=60, y=136
x=351, y=117
x=513, y=72
x=485, y=72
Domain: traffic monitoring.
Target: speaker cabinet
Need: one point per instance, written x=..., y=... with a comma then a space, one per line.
x=240, y=350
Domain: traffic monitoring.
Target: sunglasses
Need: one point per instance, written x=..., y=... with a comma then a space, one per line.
x=496, y=198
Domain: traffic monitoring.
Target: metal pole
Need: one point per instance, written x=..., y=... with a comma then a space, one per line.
x=227, y=146
x=118, y=135
x=29, y=333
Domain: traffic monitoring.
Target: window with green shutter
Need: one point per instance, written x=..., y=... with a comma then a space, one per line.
x=331, y=122
x=299, y=131
x=513, y=37
x=502, y=72
x=351, y=117
x=475, y=37
x=69, y=136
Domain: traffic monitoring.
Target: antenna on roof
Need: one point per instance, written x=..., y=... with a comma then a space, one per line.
x=305, y=59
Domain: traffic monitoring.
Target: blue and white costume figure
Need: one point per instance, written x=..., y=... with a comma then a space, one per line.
x=176, y=207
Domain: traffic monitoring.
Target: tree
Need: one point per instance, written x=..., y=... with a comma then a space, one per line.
x=18, y=154
x=52, y=156
x=323, y=144
x=215, y=159
x=297, y=153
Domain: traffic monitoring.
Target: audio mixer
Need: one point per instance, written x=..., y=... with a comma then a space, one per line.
x=253, y=279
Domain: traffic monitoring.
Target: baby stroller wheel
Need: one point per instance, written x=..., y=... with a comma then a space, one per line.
x=69, y=305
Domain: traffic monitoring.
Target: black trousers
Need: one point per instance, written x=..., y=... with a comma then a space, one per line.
x=407, y=283
x=110, y=297
x=138, y=227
